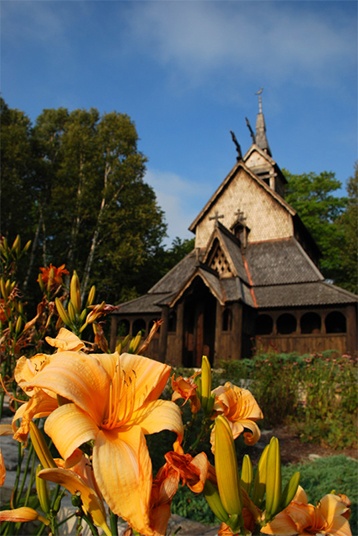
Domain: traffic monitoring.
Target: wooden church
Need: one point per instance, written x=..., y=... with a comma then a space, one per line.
x=252, y=281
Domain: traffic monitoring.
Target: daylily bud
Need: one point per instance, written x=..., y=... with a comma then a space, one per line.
x=212, y=497
x=71, y=312
x=41, y=282
x=226, y=467
x=246, y=473
x=273, y=478
x=290, y=490
x=62, y=313
x=42, y=491
x=134, y=344
x=27, y=246
x=91, y=296
x=207, y=399
x=259, y=487
x=75, y=292
x=3, y=288
x=18, y=325
x=16, y=246
x=40, y=446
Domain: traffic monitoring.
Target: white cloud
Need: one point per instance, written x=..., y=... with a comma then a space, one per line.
x=280, y=39
x=179, y=199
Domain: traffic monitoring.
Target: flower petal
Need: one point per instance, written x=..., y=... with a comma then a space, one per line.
x=151, y=376
x=66, y=340
x=79, y=378
x=160, y=415
x=74, y=484
x=39, y=405
x=27, y=368
x=281, y=525
x=69, y=427
x=123, y=471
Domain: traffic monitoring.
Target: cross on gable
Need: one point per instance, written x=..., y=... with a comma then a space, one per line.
x=240, y=216
x=216, y=217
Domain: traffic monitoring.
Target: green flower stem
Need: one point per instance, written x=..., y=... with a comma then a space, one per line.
x=113, y=518
x=88, y=520
x=32, y=474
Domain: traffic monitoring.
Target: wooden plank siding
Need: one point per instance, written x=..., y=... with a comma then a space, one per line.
x=301, y=344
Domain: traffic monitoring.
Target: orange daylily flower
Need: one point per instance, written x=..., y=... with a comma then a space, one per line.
x=112, y=400
x=52, y=276
x=41, y=403
x=178, y=467
x=300, y=517
x=186, y=388
x=240, y=409
x=22, y=514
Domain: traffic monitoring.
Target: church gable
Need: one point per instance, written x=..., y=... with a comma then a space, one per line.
x=267, y=215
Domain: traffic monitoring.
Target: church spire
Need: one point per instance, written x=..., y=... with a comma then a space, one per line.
x=260, y=137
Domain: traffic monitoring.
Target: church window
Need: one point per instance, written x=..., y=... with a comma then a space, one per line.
x=227, y=320
x=264, y=325
x=138, y=325
x=172, y=321
x=336, y=322
x=310, y=323
x=286, y=324
x=219, y=263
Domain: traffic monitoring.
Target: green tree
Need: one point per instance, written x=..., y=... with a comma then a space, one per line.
x=100, y=218
x=17, y=171
x=313, y=197
x=348, y=278
x=73, y=184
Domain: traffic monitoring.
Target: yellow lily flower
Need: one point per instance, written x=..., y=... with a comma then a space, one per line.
x=329, y=517
x=240, y=409
x=112, y=401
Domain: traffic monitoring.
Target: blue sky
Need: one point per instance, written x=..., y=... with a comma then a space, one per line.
x=186, y=72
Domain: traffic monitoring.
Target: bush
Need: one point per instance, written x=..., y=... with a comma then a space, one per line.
x=316, y=393
x=334, y=473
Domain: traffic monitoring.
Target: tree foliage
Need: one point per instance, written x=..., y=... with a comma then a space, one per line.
x=315, y=199
x=78, y=178
x=349, y=248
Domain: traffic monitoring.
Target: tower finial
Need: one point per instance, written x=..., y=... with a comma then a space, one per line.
x=259, y=93
x=260, y=136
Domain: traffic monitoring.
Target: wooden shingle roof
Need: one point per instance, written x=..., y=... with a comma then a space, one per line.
x=278, y=262
x=303, y=294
